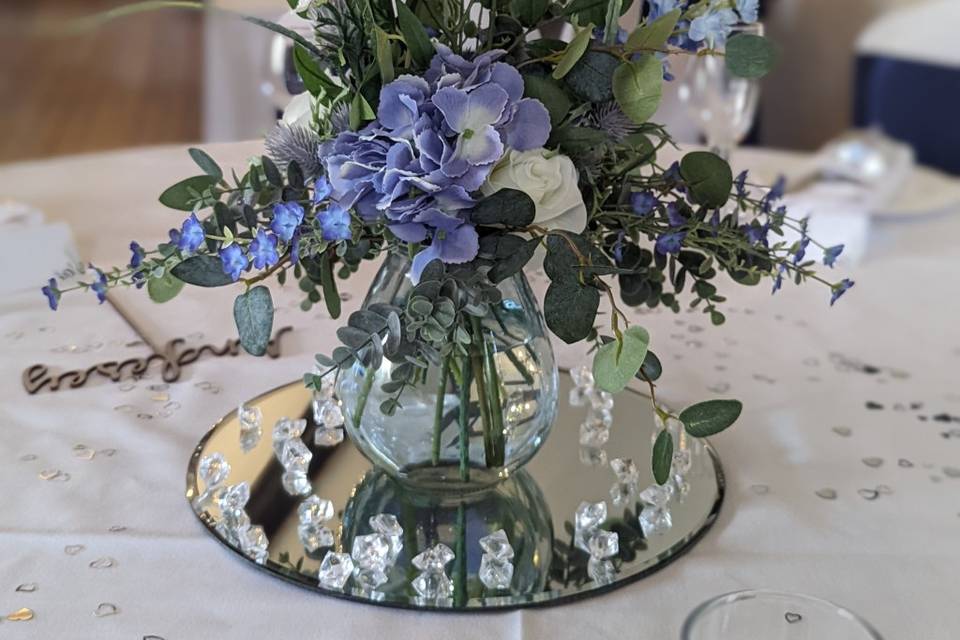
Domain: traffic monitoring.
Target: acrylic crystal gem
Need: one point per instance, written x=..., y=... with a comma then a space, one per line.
x=371, y=551
x=253, y=542
x=315, y=509
x=434, y=559
x=497, y=545
x=213, y=469
x=296, y=483
x=313, y=536
x=335, y=570
x=495, y=574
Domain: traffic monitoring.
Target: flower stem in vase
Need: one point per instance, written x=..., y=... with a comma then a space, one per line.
x=438, y=411
x=464, y=418
x=363, y=395
x=476, y=362
x=460, y=569
x=496, y=408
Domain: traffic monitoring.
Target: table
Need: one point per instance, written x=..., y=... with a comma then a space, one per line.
x=812, y=379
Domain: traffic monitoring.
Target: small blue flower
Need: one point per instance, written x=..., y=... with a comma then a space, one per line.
x=52, y=293
x=830, y=254
x=713, y=27
x=287, y=216
x=749, y=10
x=643, y=202
x=139, y=279
x=136, y=255
x=840, y=289
x=670, y=242
x=233, y=260
x=801, y=251
x=660, y=7
x=778, y=281
x=674, y=217
x=334, y=223
x=191, y=235
x=778, y=189
x=600, y=32
x=295, y=249
x=263, y=250
x=99, y=286
x=672, y=174
x=756, y=233
x=321, y=189
x=740, y=182
x=667, y=74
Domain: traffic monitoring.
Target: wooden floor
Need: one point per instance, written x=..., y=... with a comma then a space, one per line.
x=135, y=81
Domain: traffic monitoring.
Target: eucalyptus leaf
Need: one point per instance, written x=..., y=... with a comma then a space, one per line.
x=509, y=207
x=329, y=284
x=651, y=369
x=709, y=177
x=593, y=11
x=515, y=262
x=182, y=196
x=750, y=56
x=616, y=363
x=638, y=87
x=271, y=172
x=528, y=12
x=164, y=289
x=592, y=77
x=253, y=313
x=202, y=270
x=654, y=36
x=570, y=310
x=314, y=79
x=573, y=52
x=662, y=457
x=710, y=417
x=205, y=162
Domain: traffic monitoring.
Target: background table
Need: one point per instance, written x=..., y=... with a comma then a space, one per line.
x=808, y=376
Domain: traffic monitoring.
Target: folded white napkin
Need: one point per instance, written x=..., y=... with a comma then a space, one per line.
x=32, y=252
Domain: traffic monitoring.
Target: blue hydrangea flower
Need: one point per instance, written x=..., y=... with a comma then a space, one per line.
x=321, y=189
x=713, y=27
x=670, y=242
x=191, y=235
x=749, y=10
x=453, y=242
x=52, y=293
x=643, y=202
x=830, y=254
x=263, y=250
x=99, y=286
x=840, y=289
x=233, y=261
x=287, y=216
x=660, y=7
x=334, y=223
x=136, y=255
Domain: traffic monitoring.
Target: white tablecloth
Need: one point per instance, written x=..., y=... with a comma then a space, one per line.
x=797, y=364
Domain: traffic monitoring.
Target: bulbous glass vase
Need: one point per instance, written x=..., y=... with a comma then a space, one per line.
x=469, y=422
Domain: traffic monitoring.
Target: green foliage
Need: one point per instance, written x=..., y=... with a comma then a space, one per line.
x=529, y=12
x=314, y=79
x=593, y=11
x=329, y=284
x=662, y=457
x=570, y=309
x=253, y=313
x=573, y=52
x=638, y=87
x=418, y=42
x=617, y=362
x=651, y=369
x=654, y=36
x=384, y=55
x=205, y=162
x=709, y=177
x=550, y=93
x=202, y=271
x=164, y=289
x=186, y=193
x=750, y=56
x=507, y=207
x=514, y=261
x=711, y=417
x=591, y=78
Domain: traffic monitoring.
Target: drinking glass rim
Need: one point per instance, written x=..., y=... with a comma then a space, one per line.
x=717, y=601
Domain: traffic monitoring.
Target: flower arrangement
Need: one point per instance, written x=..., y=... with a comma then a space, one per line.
x=460, y=135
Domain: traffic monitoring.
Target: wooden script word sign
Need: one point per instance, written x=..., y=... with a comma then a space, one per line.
x=172, y=358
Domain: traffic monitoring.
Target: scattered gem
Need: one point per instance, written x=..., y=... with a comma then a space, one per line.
x=593, y=457
x=386, y=525
x=434, y=559
x=254, y=543
x=792, y=618
x=843, y=432
x=327, y=414
x=314, y=536
x=654, y=521
x=369, y=579
x=827, y=494
x=54, y=475
x=105, y=562
x=495, y=574
x=497, y=545
x=656, y=495
x=296, y=456
x=73, y=549
x=604, y=544
x=869, y=494
x=335, y=570
x=296, y=483
x=28, y=587
x=328, y=437
x=285, y=429
x=251, y=430
x=601, y=571
x=233, y=500
x=20, y=615
x=315, y=509
x=105, y=609
x=371, y=551
x=213, y=469
x=873, y=462
x=433, y=583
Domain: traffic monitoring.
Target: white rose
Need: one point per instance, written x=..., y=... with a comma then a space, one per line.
x=299, y=111
x=550, y=179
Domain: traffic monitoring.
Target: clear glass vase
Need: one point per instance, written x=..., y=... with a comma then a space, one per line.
x=472, y=420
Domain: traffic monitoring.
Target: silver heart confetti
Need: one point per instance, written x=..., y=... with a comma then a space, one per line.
x=73, y=549
x=844, y=432
x=869, y=494
x=873, y=462
x=28, y=587
x=105, y=609
x=827, y=494
x=105, y=562
x=792, y=618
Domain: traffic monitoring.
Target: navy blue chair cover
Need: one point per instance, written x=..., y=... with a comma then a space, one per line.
x=914, y=102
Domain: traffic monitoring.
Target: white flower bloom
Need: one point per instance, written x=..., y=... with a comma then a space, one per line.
x=550, y=180
x=299, y=111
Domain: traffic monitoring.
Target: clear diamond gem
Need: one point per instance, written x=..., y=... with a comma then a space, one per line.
x=313, y=536
x=371, y=551
x=369, y=579
x=434, y=559
x=601, y=571
x=315, y=509
x=495, y=574
x=296, y=483
x=231, y=528
x=593, y=433
x=251, y=419
x=656, y=495
x=590, y=515
x=577, y=397
x=335, y=570
x=681, y=462
x=433, y=585
x=234, y=499
x=328, y=437
x=582, y=376
x=593, y=457
x=620, y=492
x=654, y=521
x=328, y=414
x=601, y=401
x=213, y=469
x=625, y=470
x=604, y=544
x=296, y=455
x=253, y=542
x=286, y=429
x=386, y=524
x=497, y=545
